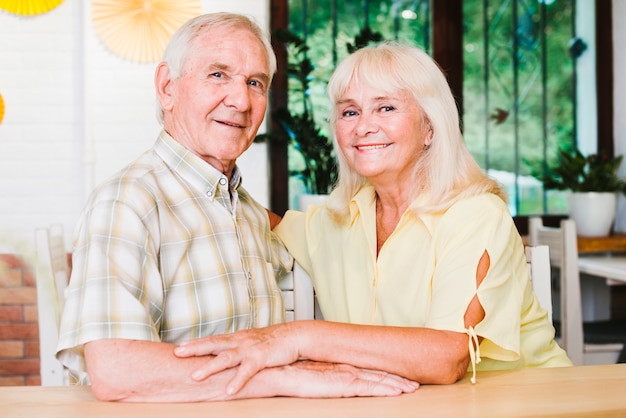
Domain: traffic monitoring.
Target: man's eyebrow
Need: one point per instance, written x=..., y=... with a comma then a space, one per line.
x=219, y=66
x=264, y=77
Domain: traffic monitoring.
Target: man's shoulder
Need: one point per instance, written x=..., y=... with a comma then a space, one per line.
x=140, y=174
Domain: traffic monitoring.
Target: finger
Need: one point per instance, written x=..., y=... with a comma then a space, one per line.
x=244, y=374
x=369, y=388
x=389, y=379
x=205, y=346
x=224, y=360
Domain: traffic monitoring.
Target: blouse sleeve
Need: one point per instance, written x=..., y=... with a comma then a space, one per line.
x=468, y=230
x=291, y=230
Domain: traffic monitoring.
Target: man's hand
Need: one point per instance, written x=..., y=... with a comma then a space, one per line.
x=309, y=379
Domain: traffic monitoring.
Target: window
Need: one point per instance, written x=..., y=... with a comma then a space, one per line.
x=519, y=77
x=518, y=73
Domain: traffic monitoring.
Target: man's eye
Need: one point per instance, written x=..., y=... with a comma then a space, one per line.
x=348, y=113
x=217, y=75
x=257, y=84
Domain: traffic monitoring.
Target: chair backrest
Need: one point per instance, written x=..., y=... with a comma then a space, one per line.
x=52, y=277
x=538, y=258
x=298, y=295
x=564, y=255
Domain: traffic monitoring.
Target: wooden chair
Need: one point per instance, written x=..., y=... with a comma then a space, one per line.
x=597, y=342
x=298, y=295
x=538, y=258
x=52, y=272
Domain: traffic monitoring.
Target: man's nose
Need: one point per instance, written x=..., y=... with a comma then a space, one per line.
x=238, y=95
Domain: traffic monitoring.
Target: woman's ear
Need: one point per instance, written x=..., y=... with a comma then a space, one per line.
x=164, y=86
x=428, y=139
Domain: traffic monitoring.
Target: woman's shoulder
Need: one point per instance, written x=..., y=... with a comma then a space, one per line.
x=479, y=212
x=485, y=203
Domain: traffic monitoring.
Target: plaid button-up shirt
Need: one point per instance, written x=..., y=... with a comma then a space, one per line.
x=169, y=250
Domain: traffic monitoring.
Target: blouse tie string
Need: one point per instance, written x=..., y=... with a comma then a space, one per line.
x=474, y=351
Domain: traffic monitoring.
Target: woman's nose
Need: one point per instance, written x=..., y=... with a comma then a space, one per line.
x=366, y=124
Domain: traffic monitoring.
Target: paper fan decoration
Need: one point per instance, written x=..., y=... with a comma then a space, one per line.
x=1, y=108
x=29, y=7
x=138, y=30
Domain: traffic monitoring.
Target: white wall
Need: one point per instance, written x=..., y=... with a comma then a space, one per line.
x=75, y=113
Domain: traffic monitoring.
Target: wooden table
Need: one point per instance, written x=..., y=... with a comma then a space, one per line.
x=613, y=243
x=582, y=391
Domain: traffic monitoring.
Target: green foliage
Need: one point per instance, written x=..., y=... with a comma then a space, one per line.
x=363, y=39
x=298, y=126
x=502, y=130
x=593, y=173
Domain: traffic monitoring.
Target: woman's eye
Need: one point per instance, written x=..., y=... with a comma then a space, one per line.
x=348, y=113
x=387, y=108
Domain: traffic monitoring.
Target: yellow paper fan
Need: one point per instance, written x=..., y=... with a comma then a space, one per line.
x=1, y=108
x=139, y=30
x=29, y=7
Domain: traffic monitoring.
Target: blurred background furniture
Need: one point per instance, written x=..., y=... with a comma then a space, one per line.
x=538, y=258
x=52, y=278
x=298, y=295
x=593, y=342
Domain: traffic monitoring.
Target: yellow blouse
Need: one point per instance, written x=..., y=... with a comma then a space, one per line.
x=425, y=275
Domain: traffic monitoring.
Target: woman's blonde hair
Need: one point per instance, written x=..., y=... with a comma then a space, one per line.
x=445, y=171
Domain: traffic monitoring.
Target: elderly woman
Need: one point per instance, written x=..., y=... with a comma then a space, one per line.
x=417, y=265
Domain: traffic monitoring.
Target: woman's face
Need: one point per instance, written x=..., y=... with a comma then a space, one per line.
x=381, y=135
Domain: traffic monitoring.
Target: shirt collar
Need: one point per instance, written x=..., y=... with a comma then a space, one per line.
x=199, y=174
x=364, y=201
x=361, y=201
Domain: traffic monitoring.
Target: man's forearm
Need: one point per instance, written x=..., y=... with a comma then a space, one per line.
x=142, y=371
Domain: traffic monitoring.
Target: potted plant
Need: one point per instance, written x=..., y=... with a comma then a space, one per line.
x=594, y=184
x=298, y=126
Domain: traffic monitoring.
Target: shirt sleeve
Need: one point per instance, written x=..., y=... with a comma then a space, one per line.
x=115, y=275
x=469, y=229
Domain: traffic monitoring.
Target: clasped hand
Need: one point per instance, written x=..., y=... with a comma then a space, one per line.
x=252, y=350
x=279, y=345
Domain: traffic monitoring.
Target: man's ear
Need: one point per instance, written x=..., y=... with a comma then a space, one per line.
x=164, y=86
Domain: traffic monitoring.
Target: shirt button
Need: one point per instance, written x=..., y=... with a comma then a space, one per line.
x=223, y=181
x=209, y=193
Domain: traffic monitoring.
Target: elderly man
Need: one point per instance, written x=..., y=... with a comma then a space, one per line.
x=173, y=248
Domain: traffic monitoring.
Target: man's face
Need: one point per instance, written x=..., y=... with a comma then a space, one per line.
x=217, y=104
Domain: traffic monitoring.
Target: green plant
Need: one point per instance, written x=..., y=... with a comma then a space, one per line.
x=299, y=128
x=593, y=173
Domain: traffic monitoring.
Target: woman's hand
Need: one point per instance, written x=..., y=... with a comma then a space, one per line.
x=252, y=350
